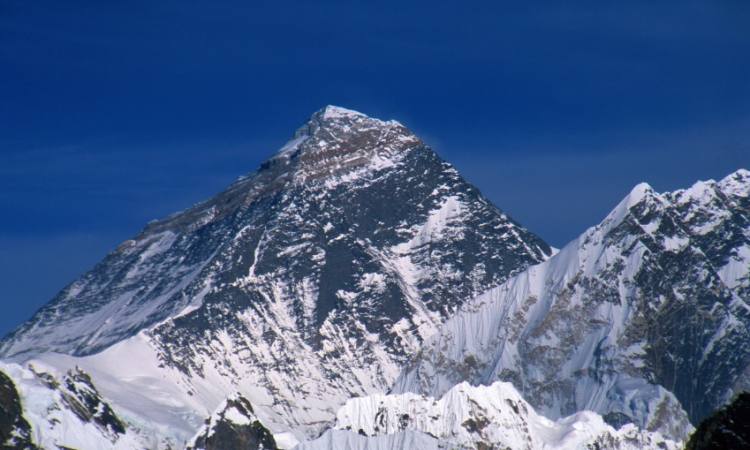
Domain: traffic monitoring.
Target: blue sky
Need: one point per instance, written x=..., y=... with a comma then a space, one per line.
x=116, y=113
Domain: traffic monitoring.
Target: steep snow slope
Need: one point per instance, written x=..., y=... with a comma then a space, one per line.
x=642, y=317
x=151, y=398
x=305, y=283
x=467, y=417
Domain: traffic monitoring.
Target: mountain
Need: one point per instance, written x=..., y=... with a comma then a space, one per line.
x=644, y=318
x=469, y=417
x=310, y=281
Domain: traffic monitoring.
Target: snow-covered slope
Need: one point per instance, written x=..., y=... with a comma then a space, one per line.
x=643, y=318
x=468, y=417
x=67, y=411
x=305, y=283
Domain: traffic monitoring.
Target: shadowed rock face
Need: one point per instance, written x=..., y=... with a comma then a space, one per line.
x=82, y=397
x=234, y=426
x=15, y=431
x=728, y=428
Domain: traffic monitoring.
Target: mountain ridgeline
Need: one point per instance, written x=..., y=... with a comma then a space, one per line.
x=644, y=318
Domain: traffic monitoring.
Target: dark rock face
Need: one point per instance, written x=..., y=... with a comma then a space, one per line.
x=234, y=427
x=15, y=431
x=727, y=428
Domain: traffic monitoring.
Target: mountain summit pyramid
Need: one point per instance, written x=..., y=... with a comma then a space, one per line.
x=305, y=283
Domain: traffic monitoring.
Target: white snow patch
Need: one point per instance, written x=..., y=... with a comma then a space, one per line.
x=337, y=112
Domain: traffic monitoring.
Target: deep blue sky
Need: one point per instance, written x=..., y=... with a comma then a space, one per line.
x=116, y=113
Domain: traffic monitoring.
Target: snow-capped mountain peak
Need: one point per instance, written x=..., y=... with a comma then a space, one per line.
x=737, y=183
x=638, y=193
x=642, y=193
x=296, y=297
x=305, y=283
x=337, y=112
x=341, y=145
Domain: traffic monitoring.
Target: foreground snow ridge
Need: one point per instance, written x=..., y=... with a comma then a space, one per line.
x=473, y=417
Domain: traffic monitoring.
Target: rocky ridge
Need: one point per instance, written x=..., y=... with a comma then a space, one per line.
x=644, y=318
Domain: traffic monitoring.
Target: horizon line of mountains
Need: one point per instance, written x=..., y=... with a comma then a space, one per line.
x=355, y=292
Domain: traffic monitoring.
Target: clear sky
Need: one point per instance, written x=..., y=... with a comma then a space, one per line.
x=116, y=113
